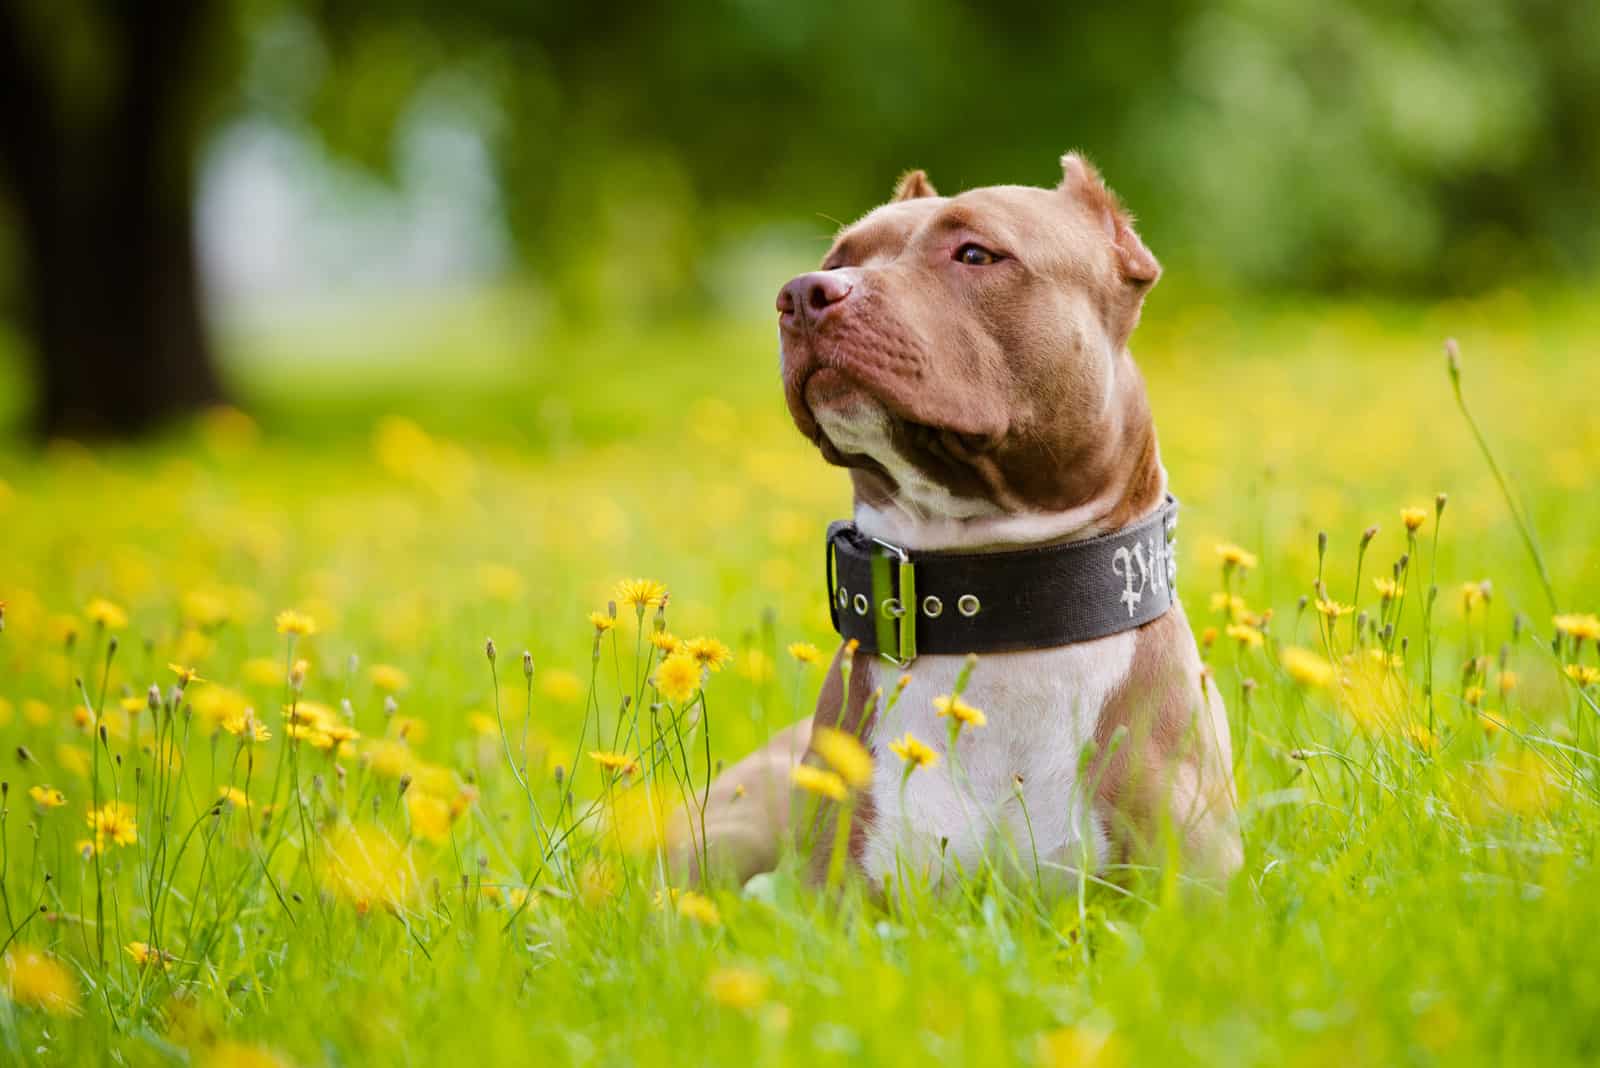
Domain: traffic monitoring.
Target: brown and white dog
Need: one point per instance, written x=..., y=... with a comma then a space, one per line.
x=966, y=358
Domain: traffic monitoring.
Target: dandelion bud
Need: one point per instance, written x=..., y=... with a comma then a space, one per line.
x=1517, y=622
x=611, y=609
x=1505, y=655
x=527, y=664
x=559, y=774
x=1388, y=633
x=405, y=783
x=1438, y=505
x=488, y=649
x=1403, y=563
x=1300, y=605
x=5, y=789
x=1322, y=543
x=483, y=862
x=175, y=695
x=347, y=708
x=23, y=755
x=153, y=698
x=102, y=733
x=390, y=705
x=297, y=676
x=1405, y=643
x=1452, y=357
x=112, y=646
x=1433, y=594
x=1367, y=536
x=340, y=774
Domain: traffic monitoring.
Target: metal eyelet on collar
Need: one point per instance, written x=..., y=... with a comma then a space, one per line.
x=891, y=608
x=844, y=596
x=860, y=604
x=968, y=605
x=932, y=607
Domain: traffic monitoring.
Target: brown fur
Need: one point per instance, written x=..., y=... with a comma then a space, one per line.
x=1007, y=382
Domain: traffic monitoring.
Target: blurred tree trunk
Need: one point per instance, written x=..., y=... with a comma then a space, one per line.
x=103, y=196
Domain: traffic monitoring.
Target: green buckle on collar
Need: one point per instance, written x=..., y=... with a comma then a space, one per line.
x=894, y=591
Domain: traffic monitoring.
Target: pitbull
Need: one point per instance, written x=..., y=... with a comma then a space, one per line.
x=966, y=359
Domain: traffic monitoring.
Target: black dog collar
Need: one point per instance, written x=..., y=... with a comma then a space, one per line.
x=903, y=604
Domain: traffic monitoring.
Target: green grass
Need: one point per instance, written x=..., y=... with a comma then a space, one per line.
x=1406, y=899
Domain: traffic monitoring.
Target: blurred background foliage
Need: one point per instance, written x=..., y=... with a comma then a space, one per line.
x=637, y=162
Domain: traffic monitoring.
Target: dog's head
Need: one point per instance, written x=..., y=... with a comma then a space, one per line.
x=966, y=356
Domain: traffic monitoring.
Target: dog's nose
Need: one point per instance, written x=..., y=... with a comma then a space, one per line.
x=808, y=297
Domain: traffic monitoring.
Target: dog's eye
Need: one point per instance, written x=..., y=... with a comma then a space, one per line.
x=976, y=255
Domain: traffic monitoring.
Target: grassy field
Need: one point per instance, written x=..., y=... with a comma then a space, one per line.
x=378, y=886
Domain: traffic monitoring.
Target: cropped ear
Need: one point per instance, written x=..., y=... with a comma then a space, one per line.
x=913, y=184
x=1080, y=180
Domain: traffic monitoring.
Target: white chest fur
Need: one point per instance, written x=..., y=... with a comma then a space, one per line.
x=1013, y=791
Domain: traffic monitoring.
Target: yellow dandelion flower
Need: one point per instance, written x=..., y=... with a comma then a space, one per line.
x=363, y=865
x=133, y=704
x=310, y=733
x=243, y=724
x=559, y=685
x=665, y=640
x=1248, y=637
x=1473, y=696
x=114, y=820
x=640, y=593
x=186, y=675
x=755, y=665
x=147, y=957
x=627, y=765
x=1583, y=674
x=1208, y=637
x=1233, y=556
x=430, y=817
x=708, y=653
x=678, y=677
x=1332, y=608
x=699, y=908
x=204, y=608
x=955, y=708
x=298, y=623
x=1473, y=594
x=1508, y=682
x=737, y=987
x=1388, y=588
x=1307, y=668
x=1582, y=627
x=389, y=678
x=483, y=725
x=1413, y=518
x=230, y=1054
x=106, y=614
x=821, y=782
x=915, y=752
x=262, y=671
x=602, y=621
x=47, y=796
x=1232, y=603
x=1081, y=1047
x=1421, y=737
x=234, y=796
x=805, y=652
x=38, y=980
x=845, y=754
